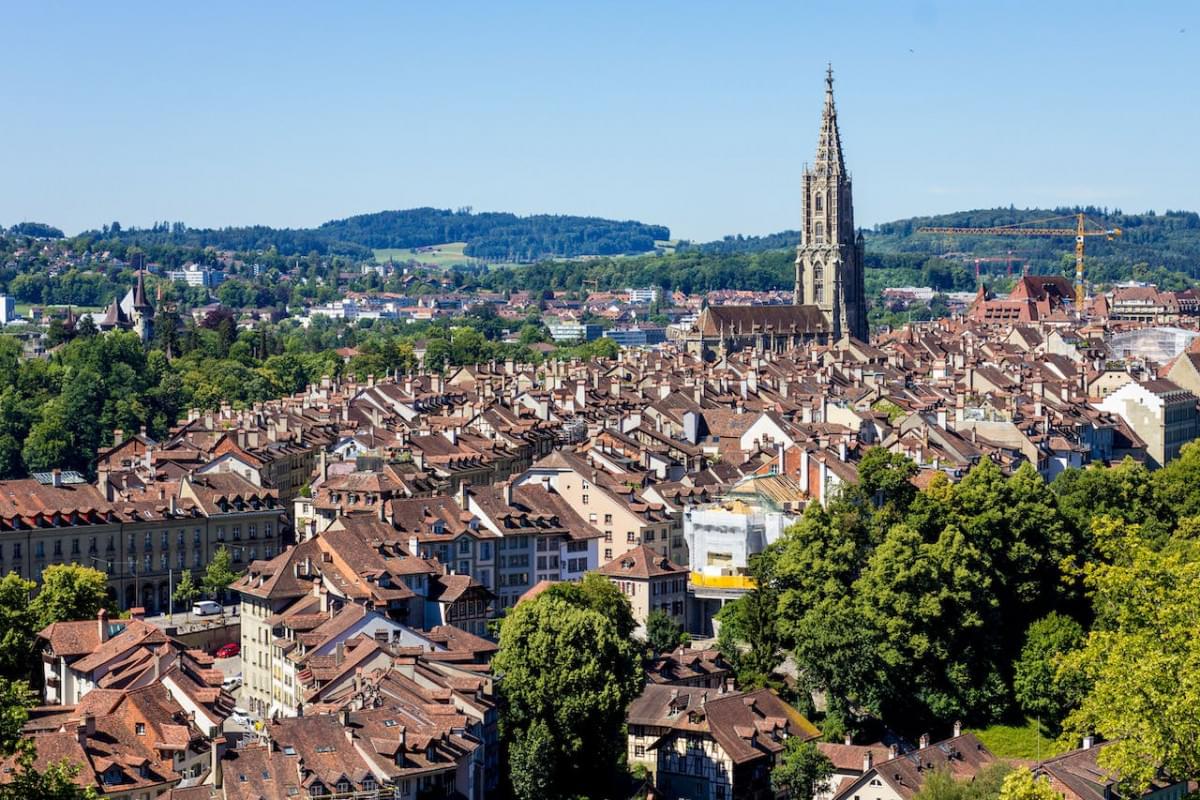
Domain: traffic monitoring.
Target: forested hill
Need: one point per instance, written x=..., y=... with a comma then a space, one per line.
x=1164, y=248
x=499, y=236
x=493, y=236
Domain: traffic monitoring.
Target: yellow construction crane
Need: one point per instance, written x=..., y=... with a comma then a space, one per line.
x=1084, y=227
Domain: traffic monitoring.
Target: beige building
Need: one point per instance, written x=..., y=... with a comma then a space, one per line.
x=1160, y=412
x=624, y=519
x=651, y=581
x=142, y=539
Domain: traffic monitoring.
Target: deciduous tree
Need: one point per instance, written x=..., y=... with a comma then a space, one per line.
x=801, y=770
x=1142, y=657
x=1036, y=683
x=219, y=573
x=662, y=632
x=567, y=675
x=69, y=592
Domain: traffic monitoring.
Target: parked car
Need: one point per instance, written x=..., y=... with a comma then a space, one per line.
x=229, y=651
x=241, y=717
x=205, y=608
x=231, y=683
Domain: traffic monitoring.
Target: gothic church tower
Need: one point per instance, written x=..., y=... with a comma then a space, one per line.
x=829, y=259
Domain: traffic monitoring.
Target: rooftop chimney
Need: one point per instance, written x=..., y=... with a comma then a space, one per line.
x=102, y=623
x=957, y=727
x=56, y=477
x=868, y=759
x=1088, y=741
x=924, y=741
x=85, y=728
x=217, y=750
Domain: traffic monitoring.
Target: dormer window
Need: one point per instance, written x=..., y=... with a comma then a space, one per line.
x=140, y=728
x=439, y=527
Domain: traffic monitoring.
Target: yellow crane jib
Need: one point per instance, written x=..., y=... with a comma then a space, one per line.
x=1082, y=229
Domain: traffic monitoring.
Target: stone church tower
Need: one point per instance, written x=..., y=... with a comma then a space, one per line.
x=829, y=259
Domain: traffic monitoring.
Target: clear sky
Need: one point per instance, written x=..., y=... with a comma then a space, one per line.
x=697, y=115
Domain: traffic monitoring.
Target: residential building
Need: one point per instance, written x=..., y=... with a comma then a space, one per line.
x=1161, y=413
x=651, y=581
x=902, y=776
x=697, y=742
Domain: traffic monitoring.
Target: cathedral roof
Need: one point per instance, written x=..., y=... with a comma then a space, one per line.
x=749, y=320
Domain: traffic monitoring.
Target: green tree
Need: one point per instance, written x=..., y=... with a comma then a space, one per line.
x=1021, y=784
x=601, y=595
x=933, y=605
x=748, y=629
x=1126, y=491
x=69, y=592
x=941, y=785
x=567, y=676
x=801, y=770
x=57, y=781
x=18, y=626
x=186, y=591
x=1035, y=681
x=662, y=632
x=887, y=477
x=1177, y=485
x=1140, y=658
x=219, y=573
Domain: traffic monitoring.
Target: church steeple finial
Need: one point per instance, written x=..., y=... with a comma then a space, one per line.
x=829, y=145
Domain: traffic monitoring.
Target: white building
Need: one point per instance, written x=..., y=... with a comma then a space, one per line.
x=647, y=296
x=196, y=275
x=722, y=537
x=8, y=309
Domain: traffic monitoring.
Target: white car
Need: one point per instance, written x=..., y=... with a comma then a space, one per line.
x=232, y=683
x=241, y=717
x=206, y=608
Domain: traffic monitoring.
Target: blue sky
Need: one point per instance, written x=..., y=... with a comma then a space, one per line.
x=695, y=115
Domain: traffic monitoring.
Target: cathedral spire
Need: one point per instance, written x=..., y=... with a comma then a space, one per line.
x=829, y=145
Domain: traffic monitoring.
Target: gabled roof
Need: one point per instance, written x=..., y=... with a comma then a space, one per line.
x=642, y=563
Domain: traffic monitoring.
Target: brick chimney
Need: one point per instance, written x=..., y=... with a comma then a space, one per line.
x=102, y=624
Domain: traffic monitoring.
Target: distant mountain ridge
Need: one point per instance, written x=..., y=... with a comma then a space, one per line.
x=493, y=236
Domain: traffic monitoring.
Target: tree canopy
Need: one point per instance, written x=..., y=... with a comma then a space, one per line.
x=566, y=676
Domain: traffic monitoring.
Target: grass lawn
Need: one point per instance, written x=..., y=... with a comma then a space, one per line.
x=1018, y=741
x=438, y=255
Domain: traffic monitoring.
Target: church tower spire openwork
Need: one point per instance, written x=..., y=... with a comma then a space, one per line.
x=829, y=259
